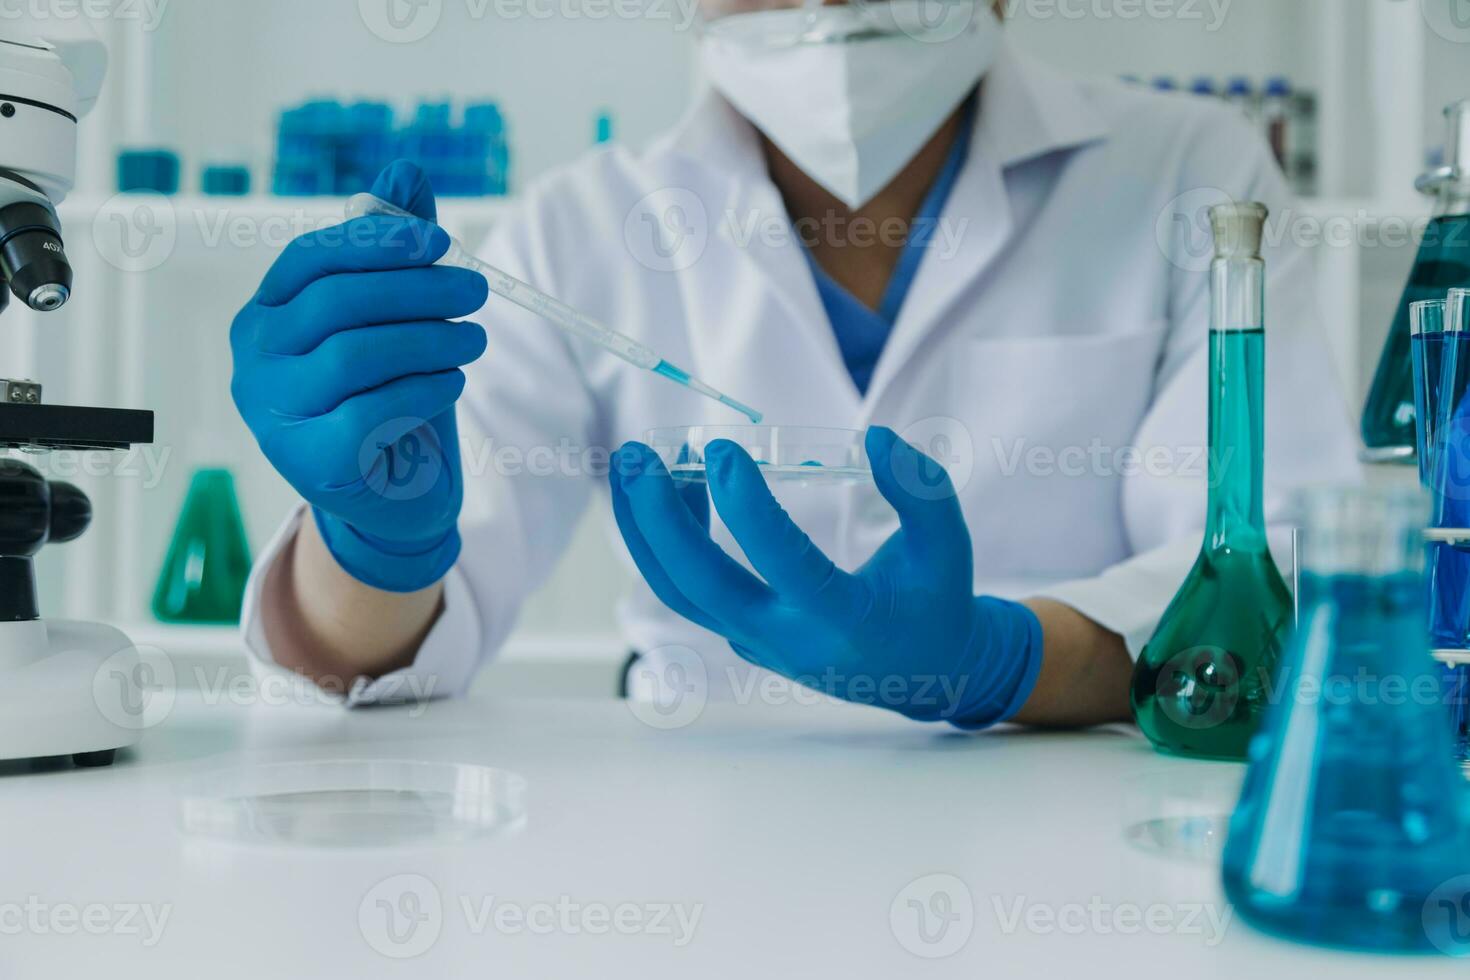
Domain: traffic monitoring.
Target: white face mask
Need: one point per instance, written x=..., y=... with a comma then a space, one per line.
x=851, y=93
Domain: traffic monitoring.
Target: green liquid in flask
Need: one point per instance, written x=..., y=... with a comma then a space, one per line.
x=1203, y=681
x=208, y=561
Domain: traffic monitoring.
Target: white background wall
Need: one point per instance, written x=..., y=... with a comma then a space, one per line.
x=210, y=80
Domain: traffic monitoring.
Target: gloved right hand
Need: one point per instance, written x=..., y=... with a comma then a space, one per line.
x=347, y=372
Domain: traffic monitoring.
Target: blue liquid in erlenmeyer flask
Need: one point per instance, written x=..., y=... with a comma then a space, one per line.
x=1353, y=820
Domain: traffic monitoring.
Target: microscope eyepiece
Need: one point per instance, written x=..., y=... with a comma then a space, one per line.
x=33, y=258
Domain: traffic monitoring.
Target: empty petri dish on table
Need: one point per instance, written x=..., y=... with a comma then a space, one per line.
x=787, y=454
x=354, y=803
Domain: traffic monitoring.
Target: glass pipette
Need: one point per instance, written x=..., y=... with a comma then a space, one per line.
x=529, y=298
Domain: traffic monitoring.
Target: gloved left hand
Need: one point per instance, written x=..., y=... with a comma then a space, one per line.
x=905, y=632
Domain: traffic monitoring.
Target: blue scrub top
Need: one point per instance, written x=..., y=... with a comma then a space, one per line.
x=861, y=332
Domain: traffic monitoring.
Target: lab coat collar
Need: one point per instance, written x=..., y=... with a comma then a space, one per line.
x=1028, y=109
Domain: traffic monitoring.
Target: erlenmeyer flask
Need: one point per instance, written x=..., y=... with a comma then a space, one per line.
x=1443, y=262
x=208, y=560
x=1352, y=829
x=1200, y=685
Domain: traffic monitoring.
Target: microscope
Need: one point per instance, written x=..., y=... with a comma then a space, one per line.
x=67, y=689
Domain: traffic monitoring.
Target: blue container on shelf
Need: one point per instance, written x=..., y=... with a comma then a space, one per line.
x=365, y=149
x=152, y=171
x=225, y=180
x=327, y=148
x=1278, y=87
x=305, y=149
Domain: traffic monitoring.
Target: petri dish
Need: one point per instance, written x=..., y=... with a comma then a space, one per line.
x=785, y=454
x=355, y=803
x=1198, y=839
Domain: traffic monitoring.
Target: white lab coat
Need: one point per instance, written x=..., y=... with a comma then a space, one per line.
x=1052, y=352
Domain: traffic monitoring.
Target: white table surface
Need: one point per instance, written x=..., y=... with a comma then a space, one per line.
x=793, y=829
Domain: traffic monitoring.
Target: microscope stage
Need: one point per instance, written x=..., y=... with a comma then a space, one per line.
x=69, y=427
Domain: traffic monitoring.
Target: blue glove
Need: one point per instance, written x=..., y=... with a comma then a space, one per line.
x=905, y=632
x=347, y=372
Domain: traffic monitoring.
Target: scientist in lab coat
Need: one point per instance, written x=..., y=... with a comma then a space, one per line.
x=870, y=221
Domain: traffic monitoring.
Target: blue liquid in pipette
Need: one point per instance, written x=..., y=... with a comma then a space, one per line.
x=682, y=377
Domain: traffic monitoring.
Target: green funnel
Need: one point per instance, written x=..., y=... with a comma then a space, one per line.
x=208, y=562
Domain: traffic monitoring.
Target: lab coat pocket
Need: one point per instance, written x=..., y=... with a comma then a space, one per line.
x=1051, y=420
